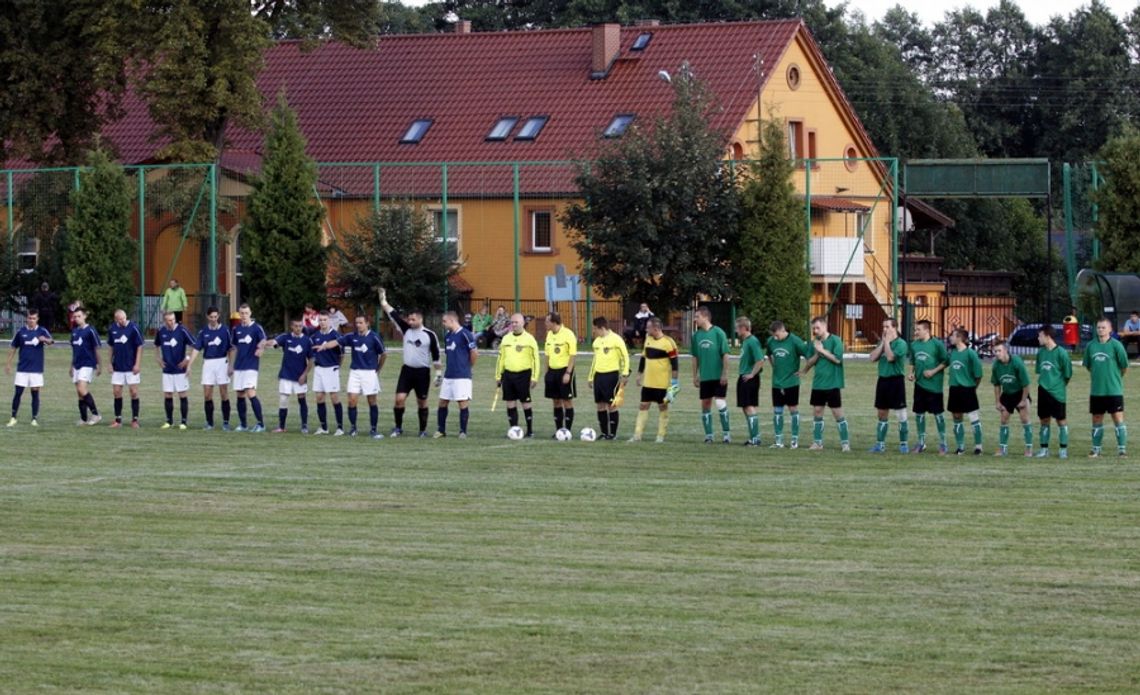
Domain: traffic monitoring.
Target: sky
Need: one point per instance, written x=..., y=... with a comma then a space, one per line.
x=1037, y=12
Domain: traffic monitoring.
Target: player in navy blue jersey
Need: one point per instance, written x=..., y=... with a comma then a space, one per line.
x=292, y=378
x=326, y=374
x=248, y=343
x=173, y=343
x=125, y=341
x=368, y=357
x=213, y=343
x=85, y=366
x=29, y=342
x=460, y=346
x=421, y=352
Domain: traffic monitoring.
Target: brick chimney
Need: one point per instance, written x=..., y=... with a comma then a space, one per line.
x=463, y=26
x=606, y=43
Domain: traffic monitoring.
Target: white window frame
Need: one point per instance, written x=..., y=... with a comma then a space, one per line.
x=454, y=234
x=534, y=247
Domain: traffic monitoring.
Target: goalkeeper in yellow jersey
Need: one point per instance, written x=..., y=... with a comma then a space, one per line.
x=657, y=377
x=609, y=373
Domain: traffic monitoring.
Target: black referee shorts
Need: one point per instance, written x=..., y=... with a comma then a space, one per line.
x=890, y=393
x=516, y=386
x=554, y=388
x=1049, y=407
x=416, y=379
x=747, y=392
x=962, y=399
x=606, y=386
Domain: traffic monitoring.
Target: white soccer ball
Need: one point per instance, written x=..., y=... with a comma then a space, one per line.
x=587, y=434
x=515, y=433
x=563, y=435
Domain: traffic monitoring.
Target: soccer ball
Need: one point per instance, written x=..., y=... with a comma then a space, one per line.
x=563, y=435
x=515, y=433
x=587, y=434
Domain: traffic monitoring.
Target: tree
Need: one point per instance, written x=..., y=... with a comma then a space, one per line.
x=383, y=248
x=100, y=256
x=281, y=236
x=770, y=277
x=1119, y=201
x=660, y=210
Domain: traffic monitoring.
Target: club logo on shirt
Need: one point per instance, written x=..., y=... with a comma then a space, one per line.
x=557, y=349
x=417, y=342
x=246, y=339
x=780, y=353
x=518, y=348
x=606, y=350
x=121, y=340
x=78, y=342
x=297, y=349
x=172, y=343
x=361, y=348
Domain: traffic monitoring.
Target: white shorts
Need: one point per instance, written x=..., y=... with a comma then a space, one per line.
x=175, y=383
x=215, y=372
x=326, y=380
x=125, y=378
x=245, y=379
x=455, y=390
x=363, y=381
x=84, y=374
x=30, y=379
x=288, y=388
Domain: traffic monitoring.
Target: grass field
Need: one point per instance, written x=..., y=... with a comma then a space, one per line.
x=174, y=561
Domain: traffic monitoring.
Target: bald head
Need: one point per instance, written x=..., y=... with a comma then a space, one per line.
x=120, y=317
x=518, y=323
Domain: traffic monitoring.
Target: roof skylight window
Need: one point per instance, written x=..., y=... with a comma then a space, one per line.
x=618, y=126
x=531, y=128
x=502, y=128
x=416, y=131
x=642, y=41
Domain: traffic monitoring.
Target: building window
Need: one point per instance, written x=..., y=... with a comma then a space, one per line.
x=618, y=125
x=541, y=231
x=811, y=152
x=851, y=158
x=642, y=41
x=416, y=131
x=863, y=227
x=502, y=128
x=453, y=231
x=737, y=151
x=531, y=128
x=28, y=256
x=793, y=77
x=796, y=142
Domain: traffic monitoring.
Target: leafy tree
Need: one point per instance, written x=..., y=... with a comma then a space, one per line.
x=281, y=236
x=100, y=256
x=770, y=276
x=1119, y=201
x=661, y=208
x=11, y=287
x=352, y=21
x=383, y=248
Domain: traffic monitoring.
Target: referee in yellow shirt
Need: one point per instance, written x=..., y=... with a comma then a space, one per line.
x=561, y=348
x=609, y=371
x=517, y=371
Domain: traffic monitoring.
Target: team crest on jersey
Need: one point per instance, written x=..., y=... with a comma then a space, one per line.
x=417, y=342
x=557, y=349
x=781, y=353
x=606, y=350
x=518, y=348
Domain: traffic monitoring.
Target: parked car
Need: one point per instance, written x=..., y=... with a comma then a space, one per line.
x=1026, y=336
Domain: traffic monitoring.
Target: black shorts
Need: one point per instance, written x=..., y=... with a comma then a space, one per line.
x=416, y=379
x=890, y=393
x=649, y=395
x=516, y=386
x=789, y=396
x=927, y=402
x=832, y=398
x=1010, y=401
x=554, y=388
x=1099, y=405
x=747, y=392
x=713, y=389
x=962, y=399
x=1048, y=406
x=606, y=386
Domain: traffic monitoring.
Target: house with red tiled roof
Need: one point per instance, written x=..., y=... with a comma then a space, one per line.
x=478, y=128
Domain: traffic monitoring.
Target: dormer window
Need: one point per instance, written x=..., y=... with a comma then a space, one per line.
x=503, y=128
x=416, y=131
x=618, y=125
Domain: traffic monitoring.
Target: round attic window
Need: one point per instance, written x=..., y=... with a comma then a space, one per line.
x=793, y=76
x=851, y=158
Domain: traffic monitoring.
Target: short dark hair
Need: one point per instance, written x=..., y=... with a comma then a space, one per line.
x=775, y=326
x=1047, y=330
x=924, y=323
x=962, y=334
x=555, y=317
x=819, y=319
x=243, y=305
x=704, y=311
x=33, y=312
x=1001, y=342
x=601, y=322
x=212, y=310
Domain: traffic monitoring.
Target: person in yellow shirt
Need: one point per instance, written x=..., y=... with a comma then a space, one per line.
x=609, y=372
x=561, y=348
x=517, y=371
x=656, y=375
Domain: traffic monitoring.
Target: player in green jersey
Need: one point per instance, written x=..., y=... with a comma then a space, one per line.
x=965, y=369
x=826, y=356
x=784, y=352
x=890, y=389
x=1054, y=369
x=1107, y=361
x=1010, y=380
x=710, y=372
x=748, y=383
x=929, y=360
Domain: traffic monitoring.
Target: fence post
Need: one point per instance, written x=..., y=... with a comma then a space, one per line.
x=807, y=227
x=1095, y=214
x=213, y=249
x=895, y=237
x=515, y=168
x=443, y=223
x=376, y=188
x=142, y=247
x=11, y=222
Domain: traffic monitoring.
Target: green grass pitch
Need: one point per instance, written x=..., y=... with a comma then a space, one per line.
x=167, y=561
